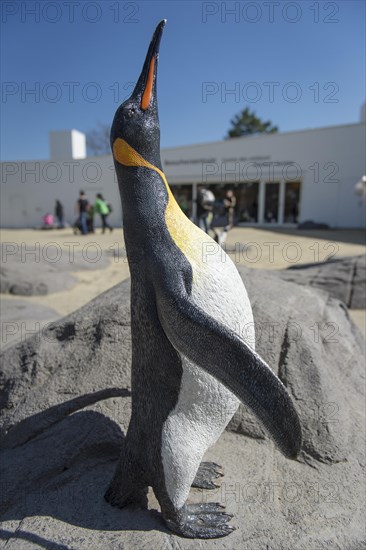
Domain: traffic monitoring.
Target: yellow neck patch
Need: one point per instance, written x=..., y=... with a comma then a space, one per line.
x=187, y=236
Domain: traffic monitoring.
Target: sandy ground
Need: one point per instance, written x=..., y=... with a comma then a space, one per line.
x=280, y=249
x=90, y=283
x=254, y=247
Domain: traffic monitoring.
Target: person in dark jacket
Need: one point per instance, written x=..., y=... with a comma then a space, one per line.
x=59, y=214
x=81, y=208
x=229, y=205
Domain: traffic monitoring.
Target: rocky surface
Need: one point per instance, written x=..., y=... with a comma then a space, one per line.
x=21, y=319
x=48, y=267
x=65, y=409
x=342, y=278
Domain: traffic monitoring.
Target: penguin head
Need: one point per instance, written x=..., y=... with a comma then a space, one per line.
x=136, y=121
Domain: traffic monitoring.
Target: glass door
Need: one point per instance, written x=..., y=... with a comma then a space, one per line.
x=292, y=201
x=271, y=202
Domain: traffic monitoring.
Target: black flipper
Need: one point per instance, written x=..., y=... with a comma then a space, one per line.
x=221, y=352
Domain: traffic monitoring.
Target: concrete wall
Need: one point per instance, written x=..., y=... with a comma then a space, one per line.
x=29, y=189
x=327, y=161
x=67, y=144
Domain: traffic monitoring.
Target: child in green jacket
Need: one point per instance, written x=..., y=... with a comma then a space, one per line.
x=103, y=209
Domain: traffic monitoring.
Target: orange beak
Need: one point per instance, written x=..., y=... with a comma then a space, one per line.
x=146, y=96
x=145, y=88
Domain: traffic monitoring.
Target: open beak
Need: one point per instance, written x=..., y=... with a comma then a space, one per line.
x=145, y=89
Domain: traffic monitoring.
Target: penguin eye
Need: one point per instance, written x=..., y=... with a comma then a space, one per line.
x=131, y=112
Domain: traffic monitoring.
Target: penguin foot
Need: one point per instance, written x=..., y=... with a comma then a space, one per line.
x=202, y=521
x=207, y=472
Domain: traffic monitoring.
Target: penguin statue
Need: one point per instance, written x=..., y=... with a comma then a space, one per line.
x=190, y=366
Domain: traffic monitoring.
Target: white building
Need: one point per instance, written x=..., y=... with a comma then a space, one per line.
x=280, y=179
x=67, y=144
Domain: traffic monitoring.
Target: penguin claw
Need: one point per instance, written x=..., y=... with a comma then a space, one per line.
x=205, y=521
x=206, y=507
x=214, y=464
x=207, y=472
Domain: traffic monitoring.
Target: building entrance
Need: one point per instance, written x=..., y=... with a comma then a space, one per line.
x=292, y=202
x=256, y=202
x=183, y=196
x=271, y=202
x=246, y=194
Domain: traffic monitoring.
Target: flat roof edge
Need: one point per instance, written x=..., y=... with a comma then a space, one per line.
x=256, y=136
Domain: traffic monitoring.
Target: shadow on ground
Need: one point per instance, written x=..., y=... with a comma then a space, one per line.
x=32, y=538
x=63, y=473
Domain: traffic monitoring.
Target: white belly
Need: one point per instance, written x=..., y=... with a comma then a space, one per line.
x=205, y=406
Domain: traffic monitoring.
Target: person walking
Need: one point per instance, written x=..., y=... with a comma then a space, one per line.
x=90, y=220
x=81, y=208
x=47, y=221
x=205, y=207
x=229, y=205
x=59, y=214
x=103, y=209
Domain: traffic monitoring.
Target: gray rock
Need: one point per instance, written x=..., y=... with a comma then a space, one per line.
x=307, y=337
x=65, y=407
x=29, y=289
x=310, y=224
x=22, y=318
x=342, y=278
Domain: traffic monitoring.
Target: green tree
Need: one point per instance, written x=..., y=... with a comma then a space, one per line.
x=247, y=123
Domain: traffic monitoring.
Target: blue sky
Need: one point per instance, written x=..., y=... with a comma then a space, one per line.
x=299, y=64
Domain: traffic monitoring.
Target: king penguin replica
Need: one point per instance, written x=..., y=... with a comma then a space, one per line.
x=190, y=365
